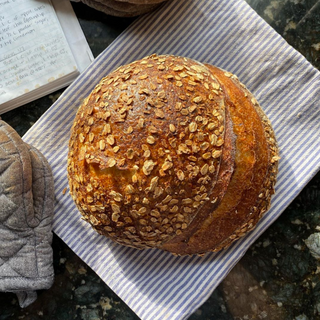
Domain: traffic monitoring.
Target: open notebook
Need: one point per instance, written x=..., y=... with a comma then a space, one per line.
x=42, y=49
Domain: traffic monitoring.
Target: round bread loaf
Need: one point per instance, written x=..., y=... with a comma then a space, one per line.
x=169, y=153
x=123, y=8
x=142, y=1
x=127, y=6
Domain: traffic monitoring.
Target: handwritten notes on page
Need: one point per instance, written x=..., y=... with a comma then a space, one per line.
x=33, y=49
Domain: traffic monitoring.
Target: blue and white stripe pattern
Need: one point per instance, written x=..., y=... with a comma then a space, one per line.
x=226, y=33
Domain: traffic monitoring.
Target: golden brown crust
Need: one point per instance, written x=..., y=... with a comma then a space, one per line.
x=169, y=153
x=180, y=244
x=239, y=210
x=145, y=148
x=256, y=199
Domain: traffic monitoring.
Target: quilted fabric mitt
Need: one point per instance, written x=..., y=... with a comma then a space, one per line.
x=26, y=211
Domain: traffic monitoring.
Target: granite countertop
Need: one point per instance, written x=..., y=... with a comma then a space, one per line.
x=278, y=278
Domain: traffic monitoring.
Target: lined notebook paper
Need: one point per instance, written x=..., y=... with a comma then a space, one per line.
x=35, y=56
x=226, y=33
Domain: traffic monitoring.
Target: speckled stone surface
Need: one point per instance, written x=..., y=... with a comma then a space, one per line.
x=278, y=278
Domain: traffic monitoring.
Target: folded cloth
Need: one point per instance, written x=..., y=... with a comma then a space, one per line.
x=26, y=211
x=226, y=33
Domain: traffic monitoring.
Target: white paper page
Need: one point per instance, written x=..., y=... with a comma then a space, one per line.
x=33, y=49
x=73, y=33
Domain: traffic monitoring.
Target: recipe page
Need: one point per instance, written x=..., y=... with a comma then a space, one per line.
x=33, y=49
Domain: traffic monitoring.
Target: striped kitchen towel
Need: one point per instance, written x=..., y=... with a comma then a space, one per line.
x=226, y=33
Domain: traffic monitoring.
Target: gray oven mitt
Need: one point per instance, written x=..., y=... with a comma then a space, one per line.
x=26, y=211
